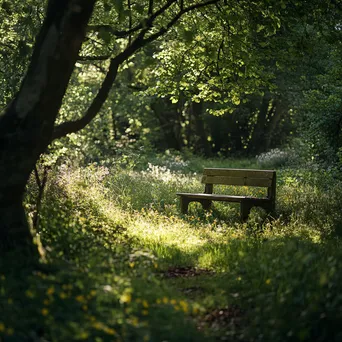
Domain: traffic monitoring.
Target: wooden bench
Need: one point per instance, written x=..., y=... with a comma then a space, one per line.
x=235, y=177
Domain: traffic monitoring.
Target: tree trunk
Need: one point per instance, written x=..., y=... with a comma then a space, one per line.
x=202, y=144
x=256, y=144
x=27, y=124
x=280, y=109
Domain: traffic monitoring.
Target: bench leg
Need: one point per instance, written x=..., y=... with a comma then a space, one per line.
x=269, y=208
x=184, y=204
x=245, y=209
x=206, y=204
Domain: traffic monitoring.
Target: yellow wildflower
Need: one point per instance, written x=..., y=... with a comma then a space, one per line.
x=63, y=295
x=50, y=291
x=84, y=307
x=45, y=311
x=46, y=302
x=195, y=311
x=97, y=325
x=134, y=321
x=158, y=301
x=126, y=298
x=165, y=300
x=80, y=298
x=268, y=281
x=184, y=305
x=173, y=301
x=2, y=327
x=145, y=303
x=110, y=331
x=144, y=312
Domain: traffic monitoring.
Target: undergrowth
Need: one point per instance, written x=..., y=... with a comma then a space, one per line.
x=115, y=240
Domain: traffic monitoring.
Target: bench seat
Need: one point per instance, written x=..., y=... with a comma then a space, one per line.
x=223, y=198
x=235, y=177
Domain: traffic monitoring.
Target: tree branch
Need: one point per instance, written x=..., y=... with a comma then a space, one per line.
x=172, y=22
x=150, y=7
x=75, y=126
x=125, y=33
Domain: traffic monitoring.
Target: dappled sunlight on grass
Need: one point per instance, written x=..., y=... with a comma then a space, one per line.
x=118, y=237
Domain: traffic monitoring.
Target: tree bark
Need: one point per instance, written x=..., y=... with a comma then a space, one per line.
x=280, y=109
x=27, y=124
x=256, y=144
x=203, y=145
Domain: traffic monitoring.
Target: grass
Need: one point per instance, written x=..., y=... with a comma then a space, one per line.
x=123, y=264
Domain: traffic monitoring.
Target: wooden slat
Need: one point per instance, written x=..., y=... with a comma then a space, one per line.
x=213, y=197
x=225, y=198
x=250, y=173
x=242, y=181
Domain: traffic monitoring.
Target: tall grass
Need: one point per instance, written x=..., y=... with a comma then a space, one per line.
x=112, y=235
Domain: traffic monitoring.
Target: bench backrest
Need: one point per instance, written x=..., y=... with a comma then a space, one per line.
x=242, y=177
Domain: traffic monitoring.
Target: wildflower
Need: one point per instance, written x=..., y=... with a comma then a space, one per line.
x=144, y=312
x=80, y=298
x=135, y=321
x=46, y=302
x=165, y=300
x=84, y=307
x=110, y=331
x=97, y=325
x=45, y=311
x=268, y=281
x=63, y=295
x=195, y=310
x=145, y=303
x=173, y=301
x=158, y=301
x=184, y=305
x=2, y=327
x=126, y=298
x=50, y=291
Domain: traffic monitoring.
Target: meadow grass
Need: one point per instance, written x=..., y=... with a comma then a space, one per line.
x=123, y=264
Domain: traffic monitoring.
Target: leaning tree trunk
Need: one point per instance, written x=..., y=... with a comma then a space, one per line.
x=27, y=124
